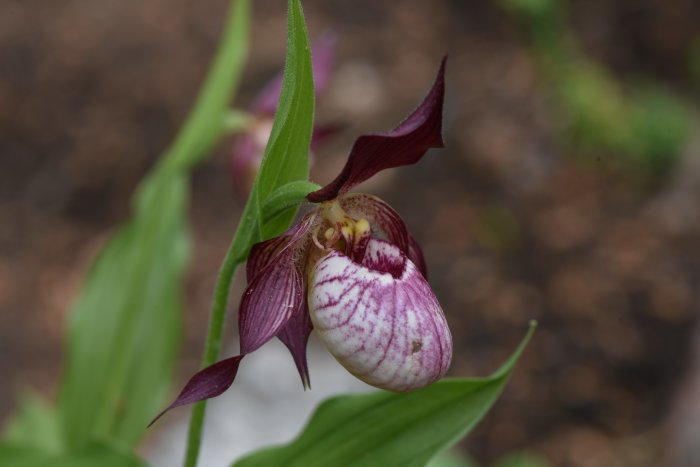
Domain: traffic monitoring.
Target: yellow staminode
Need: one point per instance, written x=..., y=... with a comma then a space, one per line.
x=334, y=213
x=362, y=228
x=342, y=225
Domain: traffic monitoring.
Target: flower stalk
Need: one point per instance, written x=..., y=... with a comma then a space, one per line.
x=238, y=20
x=212, y=348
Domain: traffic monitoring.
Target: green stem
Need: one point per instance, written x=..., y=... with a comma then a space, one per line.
x=294, y=117
x=205, y=123
x=211, y=349
x=285, y=197
x=202, y=129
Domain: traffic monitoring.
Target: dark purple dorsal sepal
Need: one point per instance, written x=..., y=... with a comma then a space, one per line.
x=404, y=145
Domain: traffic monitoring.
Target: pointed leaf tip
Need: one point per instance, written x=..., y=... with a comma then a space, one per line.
x=205, y=384
x=404, y=145
x=382, y=428
x=322, y=60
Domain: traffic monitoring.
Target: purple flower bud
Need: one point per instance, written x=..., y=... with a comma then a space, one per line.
x=249, y=147
x=379, y=318
x=404, y=145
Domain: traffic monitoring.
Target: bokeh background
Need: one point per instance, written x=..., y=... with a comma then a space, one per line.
x=568, y=191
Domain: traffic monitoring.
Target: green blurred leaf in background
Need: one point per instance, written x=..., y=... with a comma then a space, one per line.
x=125, y=329
x=637, y=129
x=522, y=459
x=35, y=425
x=91, y=455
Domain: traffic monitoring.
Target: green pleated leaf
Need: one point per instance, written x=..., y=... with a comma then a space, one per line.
x=125, y=328
x=17, y=455
x=387, y=429
x=34, y=424
x=92, y=455
x=286, y=156
x=210, y=116
x=98, y=454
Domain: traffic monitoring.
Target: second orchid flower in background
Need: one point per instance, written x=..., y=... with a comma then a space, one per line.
x=249, y=147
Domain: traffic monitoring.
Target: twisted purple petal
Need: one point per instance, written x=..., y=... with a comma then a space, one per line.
x=380, y=319
x=404, y=145
x=269, y=301
x=275, y=264
x=295, y=335
x=263, y=253
x=276, y=290
x=205, y=384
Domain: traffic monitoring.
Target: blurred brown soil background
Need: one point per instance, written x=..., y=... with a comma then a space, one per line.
x=512, y=228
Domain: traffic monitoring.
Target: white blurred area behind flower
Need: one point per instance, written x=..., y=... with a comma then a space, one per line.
x=265, y=406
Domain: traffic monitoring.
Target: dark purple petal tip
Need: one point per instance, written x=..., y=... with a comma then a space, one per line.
x=295, y=335
x=207, y=383
x=404, y=145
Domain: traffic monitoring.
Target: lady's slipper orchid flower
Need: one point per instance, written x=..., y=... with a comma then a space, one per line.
x=249, y=147
x=350, y=270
